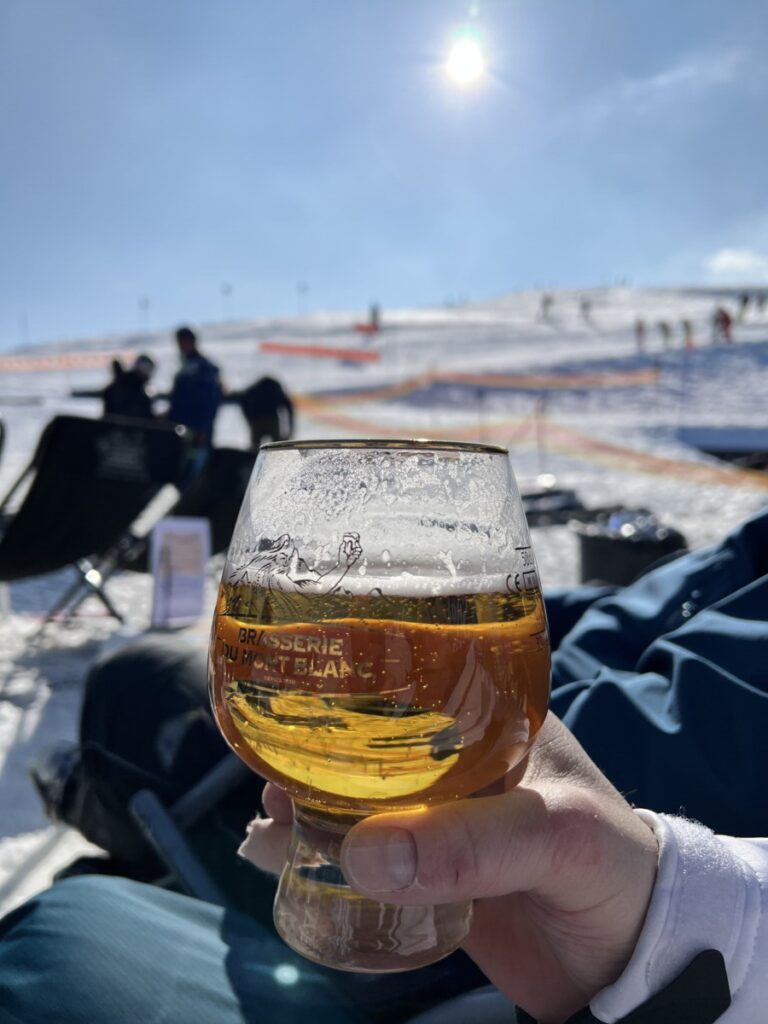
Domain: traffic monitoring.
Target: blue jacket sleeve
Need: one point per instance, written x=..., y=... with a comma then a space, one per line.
x=665, y=684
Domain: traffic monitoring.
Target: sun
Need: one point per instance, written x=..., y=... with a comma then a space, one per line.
x=465, y=63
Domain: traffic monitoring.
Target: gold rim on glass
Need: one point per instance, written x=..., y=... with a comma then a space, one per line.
x=405, y=444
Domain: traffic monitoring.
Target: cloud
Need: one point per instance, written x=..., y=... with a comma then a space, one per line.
x=738, y=265
x=694, y=75
x=691, y=77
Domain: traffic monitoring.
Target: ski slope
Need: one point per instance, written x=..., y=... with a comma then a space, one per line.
x=569, y=396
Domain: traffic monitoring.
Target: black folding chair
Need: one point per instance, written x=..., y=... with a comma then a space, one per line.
x=164, y=827
x=90, y=480
x=216, y=494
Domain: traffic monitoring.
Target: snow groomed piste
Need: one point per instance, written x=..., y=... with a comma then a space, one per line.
x=574, y=400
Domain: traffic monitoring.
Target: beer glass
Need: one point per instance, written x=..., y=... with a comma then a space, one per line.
x=379, y=644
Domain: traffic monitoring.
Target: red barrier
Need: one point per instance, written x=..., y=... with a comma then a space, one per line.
x=353, y=355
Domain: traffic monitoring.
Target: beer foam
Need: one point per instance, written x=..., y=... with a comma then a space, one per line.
x=398, y=583
x=409, y=585
x=405, y=523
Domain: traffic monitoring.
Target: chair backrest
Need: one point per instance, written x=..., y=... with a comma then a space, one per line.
x=92, y=478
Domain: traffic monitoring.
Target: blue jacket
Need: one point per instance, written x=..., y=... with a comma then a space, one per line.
x=665, y=682
x=196, y=396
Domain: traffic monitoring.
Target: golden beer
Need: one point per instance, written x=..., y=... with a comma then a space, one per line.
x=358, y=703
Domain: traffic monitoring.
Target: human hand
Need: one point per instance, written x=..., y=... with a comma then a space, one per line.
x=350, y=549
x=560, y=869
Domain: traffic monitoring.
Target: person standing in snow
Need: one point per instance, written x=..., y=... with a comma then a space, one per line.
x=722, y=324
x=666, y=334
x=126, y=394
x=195, y=398
x=640, y=334
x=686, y=327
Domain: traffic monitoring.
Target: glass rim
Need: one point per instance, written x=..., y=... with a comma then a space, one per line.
x=387, y=444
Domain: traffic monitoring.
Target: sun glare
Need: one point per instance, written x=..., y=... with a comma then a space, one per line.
x=465, y=62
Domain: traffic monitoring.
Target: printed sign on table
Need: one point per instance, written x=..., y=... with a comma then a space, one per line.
x=179, y=551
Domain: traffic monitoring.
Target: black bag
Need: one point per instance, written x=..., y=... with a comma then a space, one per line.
x=146, y=724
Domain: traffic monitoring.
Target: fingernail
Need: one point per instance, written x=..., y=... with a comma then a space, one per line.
x=381, y=860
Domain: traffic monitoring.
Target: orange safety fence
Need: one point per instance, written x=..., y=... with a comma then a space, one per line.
x=554, y=437
x=553, y=381
x=568, y=441
x=59, y=361
x=508, y=428
x=358, y=396
x=354, y=355
x=518, y=382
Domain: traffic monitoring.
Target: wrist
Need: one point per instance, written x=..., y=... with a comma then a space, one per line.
x=705, y=897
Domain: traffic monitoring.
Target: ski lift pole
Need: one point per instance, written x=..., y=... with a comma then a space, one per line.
x=658, y=366
x=539, y=413
x=428, y=383
x=687, y=353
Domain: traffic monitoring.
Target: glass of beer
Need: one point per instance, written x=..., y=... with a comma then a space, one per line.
x=379, y=644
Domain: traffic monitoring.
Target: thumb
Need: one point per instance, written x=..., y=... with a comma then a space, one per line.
x=471, y=848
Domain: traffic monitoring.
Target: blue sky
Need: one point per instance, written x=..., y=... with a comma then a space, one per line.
x=164, y=148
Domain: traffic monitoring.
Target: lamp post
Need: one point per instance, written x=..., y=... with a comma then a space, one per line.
x=144, y=305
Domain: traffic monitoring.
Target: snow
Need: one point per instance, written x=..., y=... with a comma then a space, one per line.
x=621, y=444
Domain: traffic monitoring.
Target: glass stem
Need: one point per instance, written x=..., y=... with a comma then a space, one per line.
x=324, y=919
